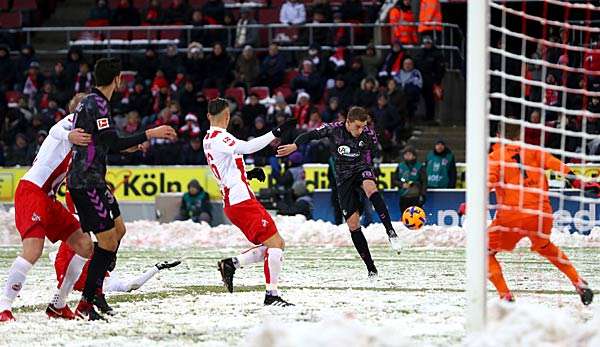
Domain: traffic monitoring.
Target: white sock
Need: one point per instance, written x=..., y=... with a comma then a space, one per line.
x=14, y=282
x=251, y=256
x=139, y=281
x=273, y=261
x=71, y=276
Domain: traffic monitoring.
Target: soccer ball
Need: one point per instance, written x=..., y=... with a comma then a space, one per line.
x=414, y=217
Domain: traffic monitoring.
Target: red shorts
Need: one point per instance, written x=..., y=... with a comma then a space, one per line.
x=252, y=218
x=33, y=208
x=508, y=229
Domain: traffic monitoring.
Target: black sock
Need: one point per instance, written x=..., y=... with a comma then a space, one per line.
x=362, y=247
x=98, y=265
x=382, y=211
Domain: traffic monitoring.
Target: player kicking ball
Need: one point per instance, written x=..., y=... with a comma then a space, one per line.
x=225, y=156
x=518, y=176
x=353, y=143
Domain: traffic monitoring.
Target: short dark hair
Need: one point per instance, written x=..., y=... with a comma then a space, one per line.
x=105, y=71
x=216, y=106
x=357, y=113
x=512, y=131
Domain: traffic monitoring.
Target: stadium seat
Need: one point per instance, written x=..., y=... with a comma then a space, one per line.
x=144, y=35
x=238, y=94
x=196, y=3
x=11, y=20
x=170, y=34
x=262, y=92
x=268, y=15
x=4, y=5
x=117, y=35
x=289, y=76
x=24, y=5
x=210, y=93
x=94, y=23
x=140, y=4
x=285, y=91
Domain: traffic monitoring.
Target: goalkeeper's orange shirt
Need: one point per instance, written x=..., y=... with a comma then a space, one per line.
x=518, y=176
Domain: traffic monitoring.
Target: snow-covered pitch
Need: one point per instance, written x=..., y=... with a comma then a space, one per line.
x=417, y=300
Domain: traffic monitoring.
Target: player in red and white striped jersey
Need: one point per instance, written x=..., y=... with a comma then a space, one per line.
x=225, y=156
x=39, y=215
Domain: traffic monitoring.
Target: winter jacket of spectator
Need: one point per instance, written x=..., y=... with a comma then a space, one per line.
x=244, y=35
x=189, y=130
x=72, y=66
x=147, y=67
x=193, y=205
x=195, y=68
x=302, y=206
x=125, y=16
x=273, y=67
x=141, y=102
x=413, y=173
x=272, y=112
x=214, y=10
x=330, y=115
x=17, y=156
x=392, y=63
x=25, y=60
x=153, y=15
x=302, y=114
x=247, y=69
x=169, y=65
x=176, y=15
x=402, y=15
x=83, y=83
x=187, y=101
x=310, y=83
x=354, y=77
x=409, y=79
x=292, y=13
x=7, y=70
x=250, y=112
x=191, y=157
x=371, y=64
x=344, y=95
x=365, y=98
x=386, y=117
x=441, y=169
x=97, y=13
x=431, y=64
x=431, y=11
x=219, y=66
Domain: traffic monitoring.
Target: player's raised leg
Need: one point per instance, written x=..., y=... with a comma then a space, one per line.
x=370, y=188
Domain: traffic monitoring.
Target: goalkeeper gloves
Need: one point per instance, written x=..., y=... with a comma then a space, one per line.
x=256, y=173
x=285, y=126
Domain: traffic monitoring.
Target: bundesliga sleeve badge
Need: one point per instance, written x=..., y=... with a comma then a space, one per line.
x=102, y=123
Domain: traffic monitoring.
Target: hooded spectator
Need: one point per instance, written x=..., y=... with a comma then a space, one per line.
x=177, y=13
x=258, y=128
x=220, y=66
x=366, y=96
x=430, y=62
x=161, y=93
x=7, y=70
x=214, y=11
x=125, y=14
x=195, y=204
x=170, y=63
x=140, y=99
x=245, y=35
x=100, y=11
x=411, y=179
x=253, y=109
x=279, y=107
x=441, y=167
x=397, y=98
x=187, y=97
x=247, y=67
x=386, y=116
x=355, y=74
x=195, y=63
x=309, y=81
x=153, y=14
x=190, y=129
x=292, y=13
x=61, y=83
x=272, y=69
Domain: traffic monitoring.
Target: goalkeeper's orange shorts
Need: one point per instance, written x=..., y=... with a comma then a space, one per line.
x=507, y=229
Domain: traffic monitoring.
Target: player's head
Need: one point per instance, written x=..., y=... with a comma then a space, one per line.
x=107, y=72
x=218, y=112
x=512, y=131
x=75, y=101
x=356, y=121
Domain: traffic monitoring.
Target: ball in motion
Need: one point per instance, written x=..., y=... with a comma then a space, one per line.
x=414, y=217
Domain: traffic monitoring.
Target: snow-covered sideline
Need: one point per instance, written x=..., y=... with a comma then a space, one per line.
x=523, y=324
x=296, y=231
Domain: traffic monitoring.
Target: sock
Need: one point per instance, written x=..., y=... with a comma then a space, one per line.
x=71, y=276
x=141, y=280
x=251, y=256
x=560, y=260
x=14, y=282
x=96, y=272
x=496, y=277
x=273, y=260
x=362, y=247
x=382, y=210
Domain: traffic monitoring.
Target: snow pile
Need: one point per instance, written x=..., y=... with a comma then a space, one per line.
x=332, y=332
x=523, y=324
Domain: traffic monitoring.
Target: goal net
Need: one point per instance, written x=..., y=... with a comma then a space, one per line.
x=533, y=94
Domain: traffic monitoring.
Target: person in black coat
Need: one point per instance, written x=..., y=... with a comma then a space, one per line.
x=148, y=65
x=342, y=92
x=7, y=70
x=220, y=67
x=252, y=110
x=125, y=15
x=430, y=62
x=366, y=96
x=193, y=153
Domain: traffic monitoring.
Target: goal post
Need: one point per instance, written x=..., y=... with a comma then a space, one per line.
x=476, y=159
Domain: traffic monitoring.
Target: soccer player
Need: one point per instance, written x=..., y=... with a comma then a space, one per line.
x=39, y=215
x=96, y=206
x=352, y=144
x=225, y=156
x=113, y=282
x=518, y=176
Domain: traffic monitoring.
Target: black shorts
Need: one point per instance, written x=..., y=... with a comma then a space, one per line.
x=97, y=208
x=350, y=192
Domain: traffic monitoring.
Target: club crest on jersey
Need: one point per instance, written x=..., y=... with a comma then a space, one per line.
x=361, y=144
x=102, y=123
x=17, y=286
x=264, y=223
x=345, y=151
x=35, y=217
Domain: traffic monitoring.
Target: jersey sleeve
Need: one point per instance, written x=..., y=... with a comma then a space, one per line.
x=93, y=115
x=227, y=143
x=554, y=164
x=319, y=133
x=493, y=169
x=371, y=152
x=61, y=130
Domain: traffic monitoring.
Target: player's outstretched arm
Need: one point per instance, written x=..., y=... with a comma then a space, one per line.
x=117, y=143
x=285, y=150
x=256, y=144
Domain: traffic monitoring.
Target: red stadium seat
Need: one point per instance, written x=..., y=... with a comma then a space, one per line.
x=140, y=4
x=196, y=3
x=144, y=35
x=285, y=91
x=262, y=92
x=210, y=93
x=11, y=20
x=4, y=5
x=170, y=34
x=93, y=23
x=289, y=76
x=238, y=94
x=268, y=15
x=117, y=35
x=24, y=5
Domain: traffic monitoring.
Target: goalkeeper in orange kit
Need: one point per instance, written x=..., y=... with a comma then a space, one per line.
x=523, y=208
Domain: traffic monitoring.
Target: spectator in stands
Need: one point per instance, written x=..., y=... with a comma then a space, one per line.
x=366, y=96
x=133, y=125
x=323, y=7
x=100, y=12
x=309, y=81
x=17, y=153
x=26, y=57
x=243, y=34
x=393, y=61
x=139, y=99
x=190, y=129
x=237, y=128
x=402, y=16
x=386, y=117
x=411, y=81
x=315, y=120
x=37, y=124
x=7, y=70
x=177, y=13
x=33, y=81
x=441, y=167
x=552, y=97
x=294, y=171
x=148, y=65
x=430, y=18
x=355, y=74
x=272, y=70
x=52, y=114
x=199, y=34
x=214, y=11
x=593, y=123
x=193, y=153
x=253, y=109
x=279, y=107
x=302, y=109
x=187, y=97
x=247, y=68
x=220, y=66
x=430, y=62
x=161, y=93
x=61, y=84
x=533, y=135
x=352, y=11
x=170, y=63
x=84, y=80
x=371, y=61
x=332, y=110
x=153, y=14
x=301, y=204
x=342, y=92
x=292, y=12
x=44, y=95
x=195, y=204
x=258, y=128
x=339, y=35
x=34, y=147
x=194, y=63
x=411, y=179
x=591, y=59
x=125, y=14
